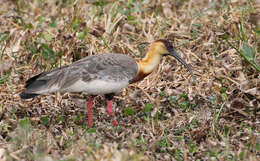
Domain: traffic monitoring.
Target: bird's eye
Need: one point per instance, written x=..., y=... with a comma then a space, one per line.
x=169, y=46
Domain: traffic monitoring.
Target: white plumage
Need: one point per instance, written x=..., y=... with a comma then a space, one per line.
x=96, y=87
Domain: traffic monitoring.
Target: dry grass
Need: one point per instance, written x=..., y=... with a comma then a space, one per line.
x=164, y=117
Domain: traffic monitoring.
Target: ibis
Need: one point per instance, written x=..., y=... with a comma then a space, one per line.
x=102, y=74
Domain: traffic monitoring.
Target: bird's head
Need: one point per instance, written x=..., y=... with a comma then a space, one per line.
x=165, y=48
x=162, y=47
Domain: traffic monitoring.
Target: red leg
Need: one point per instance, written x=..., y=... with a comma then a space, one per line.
x=109, y=107
x=110, y=111
x=89, y=106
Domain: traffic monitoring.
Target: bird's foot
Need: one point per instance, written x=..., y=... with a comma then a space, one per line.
x=115, y=123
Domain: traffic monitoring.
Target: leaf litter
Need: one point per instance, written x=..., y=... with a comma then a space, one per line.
x=218, y=117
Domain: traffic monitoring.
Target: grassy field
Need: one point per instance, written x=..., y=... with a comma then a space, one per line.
x=164, y=117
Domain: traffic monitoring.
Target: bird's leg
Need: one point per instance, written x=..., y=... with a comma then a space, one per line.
x=109, y=107
x=89, y=106
x=109, y=98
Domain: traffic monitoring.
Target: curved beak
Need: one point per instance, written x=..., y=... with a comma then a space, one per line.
x=178, y=57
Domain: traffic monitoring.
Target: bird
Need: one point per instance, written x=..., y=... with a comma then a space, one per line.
x=101, y=74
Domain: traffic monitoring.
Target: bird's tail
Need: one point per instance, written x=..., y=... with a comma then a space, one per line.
x=32, y=86
x=24, y=95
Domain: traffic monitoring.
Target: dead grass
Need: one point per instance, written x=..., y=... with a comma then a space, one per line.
x=164, y=117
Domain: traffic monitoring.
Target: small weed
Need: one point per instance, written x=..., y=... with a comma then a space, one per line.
x=48, y=54
x=164, y=144
x=247, y=52
x=78, y=117
x=177, y=154
x=53, y=23
x=227, y=131
x=5, y=77
x=33, y=48
x=82, y=35
x=59, y=119
x=141, y=142
x=91, y=130
x=25, y=123
x=45, y=121
x=223, y=93
x=47, y=37
x=192, y=148
x=129, y=111
x=147, y=110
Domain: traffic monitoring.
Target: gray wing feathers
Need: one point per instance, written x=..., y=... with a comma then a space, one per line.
x=109, y=67
x=116, y=67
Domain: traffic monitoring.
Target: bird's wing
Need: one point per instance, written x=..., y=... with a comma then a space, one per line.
x=107, y=67
x=114, y=67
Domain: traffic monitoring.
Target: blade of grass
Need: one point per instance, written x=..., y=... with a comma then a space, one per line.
x=217, y=117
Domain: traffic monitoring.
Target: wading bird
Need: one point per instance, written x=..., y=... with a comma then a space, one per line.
x=104, y=74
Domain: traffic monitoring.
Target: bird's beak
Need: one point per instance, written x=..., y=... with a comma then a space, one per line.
x=178, y=57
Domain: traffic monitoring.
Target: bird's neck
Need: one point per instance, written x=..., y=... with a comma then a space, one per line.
x=149, y=62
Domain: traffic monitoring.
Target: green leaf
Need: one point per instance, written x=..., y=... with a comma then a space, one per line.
x=257, y=32
x=53, y=23
x=161, y=94
x=82, y=35
x=147, y=118
x=29, y=26
x=76, y=24
x=131, y=18
x=3, y=37
x=223, y=89
x=248, y=52
x=91, y=130
x=227, y=130
x=183, y=95
x=45, y=120
x=47, y=37
x=59, y=119
x=32, y=48
x=223, y=96
x=172, y=98
x=4, y=78
x=184, y=104
x=192, y=148
x=148, y=108
x=25, y=123
x=47, y=53
x=129, y=111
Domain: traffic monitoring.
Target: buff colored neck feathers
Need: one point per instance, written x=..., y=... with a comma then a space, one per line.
x=152, y=58
x=150, y=61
